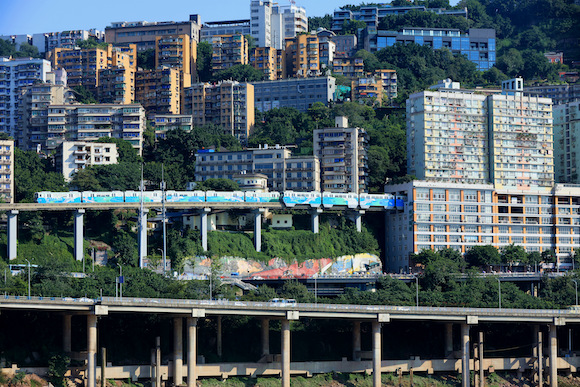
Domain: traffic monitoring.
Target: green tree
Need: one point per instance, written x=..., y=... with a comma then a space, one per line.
x=240, y=73
x=513, y=254
x=482, y=256
x=27, y=50
x=146, y=59
x=127, y=154
x=351, y=27
x=204, y=55
x=316, y=22
x=91, y=43
x=83, y=95
x=217, y=185
x=86, y=180
x=125, y=247
x=33, y=174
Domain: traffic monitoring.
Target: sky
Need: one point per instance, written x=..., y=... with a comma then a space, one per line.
x=37, y=16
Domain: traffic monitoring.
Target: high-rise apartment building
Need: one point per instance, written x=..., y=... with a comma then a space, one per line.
x=566, y=142
x=144, y=34
x=284, y=171
x=180, y=52
x=302, y=56
x=228, y=51
x=91, y=122
x=349, y=67
x=159, y=90
x=46, y=42
x=271, y=24
x=462, y=136
x=224, y=27
x=270, y=61
x=163, y=123
x=297, y=93
x=228, y=104
x=72, y=156
x=342, y=152
x=116, y=85
x=33, y=112
x=16, y=74
x=7, y=171
x=559, y=94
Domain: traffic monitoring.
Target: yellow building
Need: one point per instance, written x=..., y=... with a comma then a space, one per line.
x=159, y=90
x=228, y=51
x=228, y=104
x=369, y=88
x=348, y=67
x=177, y=51
x=264, y=60
x=116, y=85
x=389, y=80
x=302, y=56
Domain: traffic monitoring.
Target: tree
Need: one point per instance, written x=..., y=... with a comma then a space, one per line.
x=27, y=50
x=223, y=185
x=83, y=95
x=482, y=256
x=146, y=59
x=127, y=154
x=86, y=180
x=513, y=254
x=204, y=55
x=91, y=43
x=351, y=27
x=240, y=73
x=33, y=174
x=125, y=249
x=316, y=22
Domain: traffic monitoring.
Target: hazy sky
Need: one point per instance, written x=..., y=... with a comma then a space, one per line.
x=35, y=16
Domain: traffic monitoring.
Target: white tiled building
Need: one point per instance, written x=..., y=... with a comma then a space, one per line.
x=7, y=171
x=566, y=142
x=75, y=155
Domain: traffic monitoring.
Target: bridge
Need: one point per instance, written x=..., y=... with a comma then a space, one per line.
x=440, y=320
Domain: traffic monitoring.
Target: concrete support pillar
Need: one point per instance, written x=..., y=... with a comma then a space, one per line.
x=178, y=351
x=66, y=333
x=481, y=369
x=265, y=336
x=12, y=233
x=465, y=355
x=356, y=341
x=285, y=353
x=191, y=351
x=203, y=226
x=314, y=219
x=377, y=354
x=79, y=234
x=219, y=336
x=358, y=219
x=158, y=361
x=142, y=237
x=553, y=355
x=448, y=339
x=91, y=350
x=540, y=349
x=258, y=229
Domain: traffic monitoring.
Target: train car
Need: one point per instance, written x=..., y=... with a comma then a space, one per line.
x=224, y=197
x=185, y=196
x=349, y=200
x=148, y=196
x=58, y=197
x=102, y=197
x=262, y=197
x=376, y=200
x=400, y=202
x=291, y=198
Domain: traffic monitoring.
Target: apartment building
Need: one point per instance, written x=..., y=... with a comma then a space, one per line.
x=463, y=136
x=389, y=80
x=326, y=50
x=460, y=216
x=159, y=91
x=7, y=171
x=270, y=61
x=302, y=56
x=228, y=51
x=16, y=74
x=342, y=152
x=33, y=112
x=566, y=144
x=272, y=23
x=224, y=27
x=346, y=45
x=297, y=93
x=349, y=67
x=368, y=89
x=91, y=122
x=180, y=52
x=478, y=44
x=163, y=123
x=371, y=15
x=284, y=172
x=46, y=42
x=144, y=34
x=116, y=85
x=72, y=156
x=228, y=104
x=560, y=94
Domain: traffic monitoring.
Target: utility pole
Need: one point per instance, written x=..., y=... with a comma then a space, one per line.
x=164, y=225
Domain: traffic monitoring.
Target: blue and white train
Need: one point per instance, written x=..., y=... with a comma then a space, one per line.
x=288, y=198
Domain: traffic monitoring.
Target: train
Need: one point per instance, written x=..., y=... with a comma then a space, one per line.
x=288, y=198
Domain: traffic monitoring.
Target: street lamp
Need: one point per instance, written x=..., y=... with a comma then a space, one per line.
x=417, y=289
x=28, y=277
x=499, y=290
x=576, y=288
x=315, y=288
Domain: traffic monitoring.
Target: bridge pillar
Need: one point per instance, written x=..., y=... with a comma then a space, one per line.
x=265, y=337
x=66, y=333
x=356, y=341
x=191, y=351
x=314, y=219
x=285, y=353
x=12, y=233
x=357, y=218
x=465, y=375
x=540, y=349
x=203, y=226
x=553, y=355
x=480, y=355
x=91, y=350
x=258, y=229
x=448, y=339
x=142, y=237
x=219, y=336
x=377, y=355
x=79, y=234
x=178, y=351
